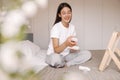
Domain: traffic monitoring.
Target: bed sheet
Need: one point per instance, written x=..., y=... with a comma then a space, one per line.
x=38, y=61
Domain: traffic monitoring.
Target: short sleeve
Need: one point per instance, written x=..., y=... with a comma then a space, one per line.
x=74, y=31
x=54, y=32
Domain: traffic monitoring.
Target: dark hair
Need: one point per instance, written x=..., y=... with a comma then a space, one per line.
x=60, y=7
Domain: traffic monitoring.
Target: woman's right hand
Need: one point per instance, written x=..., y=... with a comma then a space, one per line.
x=69, y=42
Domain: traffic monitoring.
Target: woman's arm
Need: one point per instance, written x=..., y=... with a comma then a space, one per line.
x=59, y=48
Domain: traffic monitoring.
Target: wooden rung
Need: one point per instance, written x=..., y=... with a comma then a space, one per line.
x=117, y=51
x=115, y=59
x=110, y=52
x=104, y=61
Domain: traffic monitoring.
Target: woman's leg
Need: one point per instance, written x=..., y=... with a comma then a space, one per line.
x=78, y=58
x=55, y=60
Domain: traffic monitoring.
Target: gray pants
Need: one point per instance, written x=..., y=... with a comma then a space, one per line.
x=57, y=60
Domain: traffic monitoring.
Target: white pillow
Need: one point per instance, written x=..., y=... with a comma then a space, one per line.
x=28, y=48
x=33, y=55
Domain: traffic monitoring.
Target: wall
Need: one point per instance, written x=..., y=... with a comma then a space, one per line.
x=40, y=28
x=95, y=20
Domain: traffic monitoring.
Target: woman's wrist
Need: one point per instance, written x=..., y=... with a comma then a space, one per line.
x=66, y=44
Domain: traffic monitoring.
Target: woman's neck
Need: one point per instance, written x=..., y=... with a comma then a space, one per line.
x=65, y=24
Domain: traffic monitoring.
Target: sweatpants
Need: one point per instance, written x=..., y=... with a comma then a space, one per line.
x=57, y=60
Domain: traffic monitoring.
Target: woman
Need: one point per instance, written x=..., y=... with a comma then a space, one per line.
x=59, y=51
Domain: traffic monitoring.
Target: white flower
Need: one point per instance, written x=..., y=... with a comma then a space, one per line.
x=29, y=8
x=8, y=57
x=12, y=23
x=42, y=3
x=2, y=16
x=26, y=64
x=74, y=76
x=3, y=76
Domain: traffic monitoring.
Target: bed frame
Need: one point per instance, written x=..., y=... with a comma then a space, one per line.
x=29, y=36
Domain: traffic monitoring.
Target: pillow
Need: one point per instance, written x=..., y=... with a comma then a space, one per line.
x=28, y=48
x=34, y=57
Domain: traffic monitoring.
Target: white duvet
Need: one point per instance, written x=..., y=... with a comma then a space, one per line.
x=33, y=55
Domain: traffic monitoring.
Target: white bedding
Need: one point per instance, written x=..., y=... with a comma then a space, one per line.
x=34, y=56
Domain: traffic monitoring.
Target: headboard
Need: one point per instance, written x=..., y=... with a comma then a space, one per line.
x=29, y=36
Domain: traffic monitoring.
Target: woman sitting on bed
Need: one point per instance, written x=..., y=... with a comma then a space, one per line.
x=60, y=52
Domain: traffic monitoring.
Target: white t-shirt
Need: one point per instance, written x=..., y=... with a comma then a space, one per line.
x=62, y=33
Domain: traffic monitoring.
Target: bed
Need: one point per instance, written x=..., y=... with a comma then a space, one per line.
x=33, y=53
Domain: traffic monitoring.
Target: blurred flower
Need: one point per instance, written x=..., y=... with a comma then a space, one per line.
x=3, y=76
x=2, y=15
x=8, y=57
x=29, y=8
x=12, y=61
x=14, y=65
x=42, y=3
x=74, y=76
x=12, y=23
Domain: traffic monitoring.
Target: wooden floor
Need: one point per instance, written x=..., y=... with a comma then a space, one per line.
x=110, y=73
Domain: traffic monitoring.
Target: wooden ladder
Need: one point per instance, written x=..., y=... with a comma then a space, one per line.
x=111, y=51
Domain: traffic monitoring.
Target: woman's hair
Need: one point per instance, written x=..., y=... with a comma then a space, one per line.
x=60, y=7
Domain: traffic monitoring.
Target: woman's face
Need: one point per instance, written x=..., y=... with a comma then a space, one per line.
x=65, y=15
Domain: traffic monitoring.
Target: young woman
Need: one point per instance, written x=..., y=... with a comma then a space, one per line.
x=59, y=52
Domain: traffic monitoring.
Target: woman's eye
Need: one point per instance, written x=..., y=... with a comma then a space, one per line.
x=66, y=13
x=69, y=12
x=63, y=13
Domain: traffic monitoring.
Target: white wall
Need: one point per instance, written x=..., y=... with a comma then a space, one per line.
x=95, y=20
x=40, y=28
